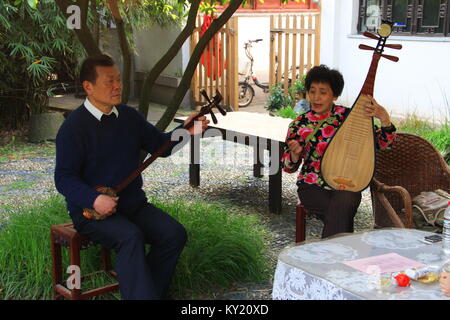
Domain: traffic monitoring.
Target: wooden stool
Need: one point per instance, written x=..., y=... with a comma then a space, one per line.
x=300, y=222
x=65, y=235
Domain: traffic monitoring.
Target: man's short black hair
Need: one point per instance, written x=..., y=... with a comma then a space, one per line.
x=323, y=74
x=88, y=67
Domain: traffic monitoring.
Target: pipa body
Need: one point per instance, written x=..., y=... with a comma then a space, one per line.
x=349, y=160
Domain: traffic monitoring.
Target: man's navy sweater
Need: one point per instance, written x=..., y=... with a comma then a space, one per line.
x=91, y=153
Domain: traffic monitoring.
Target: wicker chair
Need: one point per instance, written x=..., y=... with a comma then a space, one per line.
x=411, y=166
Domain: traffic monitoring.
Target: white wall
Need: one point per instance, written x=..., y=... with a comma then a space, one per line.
x=418, y=84
x=251, y=27
x=152, y=44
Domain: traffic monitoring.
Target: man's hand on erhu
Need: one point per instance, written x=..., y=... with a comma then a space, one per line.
x=105, y=205
x=199, y=124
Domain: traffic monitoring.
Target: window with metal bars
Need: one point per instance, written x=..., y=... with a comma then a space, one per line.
x=410, y=17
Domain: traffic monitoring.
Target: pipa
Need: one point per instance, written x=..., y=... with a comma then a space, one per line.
x=349, y=159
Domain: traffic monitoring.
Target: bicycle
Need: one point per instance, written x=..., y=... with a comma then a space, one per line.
x=246, y=91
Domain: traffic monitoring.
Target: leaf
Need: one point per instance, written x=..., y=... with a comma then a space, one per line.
x=33, y=3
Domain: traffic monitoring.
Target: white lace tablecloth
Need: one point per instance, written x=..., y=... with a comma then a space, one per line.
x=314, y=271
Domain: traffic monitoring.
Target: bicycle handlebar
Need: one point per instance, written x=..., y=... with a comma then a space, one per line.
x=247, y=46
x=249, y=42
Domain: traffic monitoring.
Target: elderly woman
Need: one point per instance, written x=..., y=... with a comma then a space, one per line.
x=307, y=139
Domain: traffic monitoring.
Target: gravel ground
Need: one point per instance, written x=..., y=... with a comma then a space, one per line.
x=226, y=177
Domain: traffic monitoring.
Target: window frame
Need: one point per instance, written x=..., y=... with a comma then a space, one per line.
x=414, y=16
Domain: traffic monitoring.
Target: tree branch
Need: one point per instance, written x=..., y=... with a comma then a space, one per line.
x=159, y=67
x=124, y=47
x=193, y=61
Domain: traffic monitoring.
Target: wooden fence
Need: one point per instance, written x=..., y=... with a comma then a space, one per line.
x=218, y=67
x=294, y=46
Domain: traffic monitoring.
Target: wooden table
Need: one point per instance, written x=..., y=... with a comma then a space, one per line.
x=260, y=131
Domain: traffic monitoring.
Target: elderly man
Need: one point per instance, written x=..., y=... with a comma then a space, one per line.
x=99, y=144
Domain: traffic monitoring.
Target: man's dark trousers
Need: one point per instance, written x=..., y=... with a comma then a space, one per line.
x=140, y=276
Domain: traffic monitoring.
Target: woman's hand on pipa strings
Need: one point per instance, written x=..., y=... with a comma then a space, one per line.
x=374, y=109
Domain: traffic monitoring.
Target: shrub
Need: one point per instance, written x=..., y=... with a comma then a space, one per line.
x=35, y=44
x=278, y=99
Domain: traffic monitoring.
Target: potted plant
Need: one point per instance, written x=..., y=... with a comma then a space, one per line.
x=278, y=99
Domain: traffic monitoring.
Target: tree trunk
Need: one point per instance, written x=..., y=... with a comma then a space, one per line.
x=96, y=26
x=193, y=61
x=125, y=49
x=159, y=67
x=84, y=35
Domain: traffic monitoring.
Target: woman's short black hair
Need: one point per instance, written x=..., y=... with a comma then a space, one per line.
x=323, y=74
x=88, y=67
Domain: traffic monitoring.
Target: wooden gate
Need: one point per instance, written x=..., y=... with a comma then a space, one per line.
x=218, y=67
x=294, y=46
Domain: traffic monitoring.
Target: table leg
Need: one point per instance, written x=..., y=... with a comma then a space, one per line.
x=257, y=164
x=194, y=166
x=275, y=181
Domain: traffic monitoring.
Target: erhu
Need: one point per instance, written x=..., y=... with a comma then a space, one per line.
x=349, y=160
x=114, y=191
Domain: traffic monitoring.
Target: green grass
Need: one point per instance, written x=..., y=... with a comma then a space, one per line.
x=222, y=248
x=25, y=256
x=19, y=185
x=17, y=150
x=438, y=135
x=287, y=112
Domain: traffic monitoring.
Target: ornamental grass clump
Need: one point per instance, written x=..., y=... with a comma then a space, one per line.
x=222, y=248
x=25, y=254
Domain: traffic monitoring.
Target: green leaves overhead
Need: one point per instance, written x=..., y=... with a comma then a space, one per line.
x=35, y=43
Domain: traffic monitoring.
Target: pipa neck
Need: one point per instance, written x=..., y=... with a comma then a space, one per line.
x=370, y=79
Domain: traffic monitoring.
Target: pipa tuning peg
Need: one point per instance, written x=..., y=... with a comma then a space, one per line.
x=371, y=35
x=364, y=47
x=392, y=58
x=394, y=46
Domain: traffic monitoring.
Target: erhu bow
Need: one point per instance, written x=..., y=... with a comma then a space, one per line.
x=114, y=191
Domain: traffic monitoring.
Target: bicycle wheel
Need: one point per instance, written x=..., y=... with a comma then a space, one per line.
x=246, y=94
